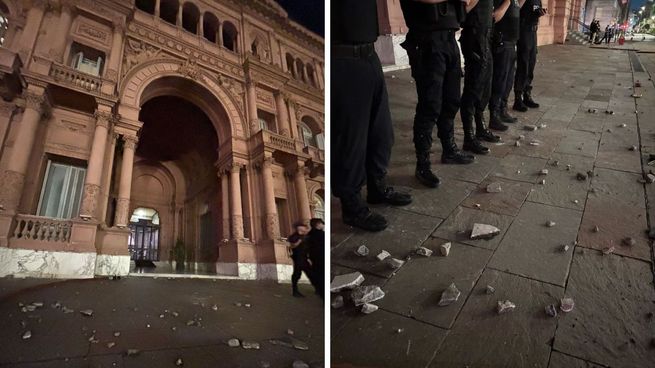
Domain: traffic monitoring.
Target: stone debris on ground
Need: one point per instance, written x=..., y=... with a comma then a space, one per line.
x=369, y=308
x=362, y=250
x=132, y=352
x=495, y=187
x=517, y=144
x=366, y=294
x=383, y=255
x=299, y=364
x=290, y=332
x=444, y=249
x=395, y=263
x=592, y=111
x=490, y=289
x=623, y=125
x=484, y=231
x=87, y=312
x=27, y=335
x=564, y=248
x=337, y=302
x=596, y=229
x=233, y=343
x=568, y=167
x=581, y=176
x=629, y=242
x=530, y=128
x=650, y=178
x=449, y=296
x=550, y=223
x=346, y=281
x=505, y=306
x=543, y=172
x=535, y=143
x=423, y=251
x=179, y=362
x=543, y=126
x=543, y=182
x=67, y=310
x=551, y=310
x=111, y=345
x=248, y=345
x=608, y=250
x=566, y=305
x=632, y=148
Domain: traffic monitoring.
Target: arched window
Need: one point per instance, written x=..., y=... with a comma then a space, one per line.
x=4, y=22
x=190, y=17
x=310, y=75
x=147, y=6
x=300, y=68
x=290, y=67
x=230, y=36
x=168, y=11
x=210, y=27
x=319, y=207
x=307, y=134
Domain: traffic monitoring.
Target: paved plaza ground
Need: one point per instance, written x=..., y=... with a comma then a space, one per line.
x=162, y=319
x=612, y=323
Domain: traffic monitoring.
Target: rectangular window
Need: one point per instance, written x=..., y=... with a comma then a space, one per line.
x=61, y=193
x=86, y=59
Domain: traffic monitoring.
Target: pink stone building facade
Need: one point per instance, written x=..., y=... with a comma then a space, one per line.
x=128, y=126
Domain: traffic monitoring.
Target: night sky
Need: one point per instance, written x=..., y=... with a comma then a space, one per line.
x=636, y=4
x=309, y=13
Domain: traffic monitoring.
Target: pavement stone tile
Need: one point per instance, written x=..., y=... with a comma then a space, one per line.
x=475, y=172
x=614, y=153
x=581, y=143
x=339, y=232
x=562, y=187
x=507, y=202
x=532, y=249
x=521, y=168
x=618, y=186
x=609, y=324
x=559, y=360
x=463, y=266
x=103, y=361
x=43, y=345
x=437, y=202
x=457, y=227
x=520, y=338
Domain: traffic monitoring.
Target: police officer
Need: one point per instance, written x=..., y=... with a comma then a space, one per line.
x=478, y=69
x=527, y=55
x=362, y=134
x=298, y=250
x=503, y=47
x=434, y=59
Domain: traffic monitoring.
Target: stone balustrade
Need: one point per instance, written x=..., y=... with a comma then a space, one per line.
x=76, y=78
x=42, y=229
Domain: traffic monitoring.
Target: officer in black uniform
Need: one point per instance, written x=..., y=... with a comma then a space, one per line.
x=436, y=68
x=478, y=69
x=503, y=47
x=362, y=134
x=527, y=55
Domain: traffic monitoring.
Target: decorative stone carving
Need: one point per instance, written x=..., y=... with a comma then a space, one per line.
x=122, y=208
x=11, y=189
x=137, y=52
x=234, y=87
x=34, y=101
x=235, y=167
x=190, y=69
x=272, y=226
x=7, y=108
x=111, y=75
x=89, y=200
x=266, y=98
x=103, y=118
x=130, y=142
x=89, y=31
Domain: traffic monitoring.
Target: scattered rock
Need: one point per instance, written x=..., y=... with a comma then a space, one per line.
x=495, y=187
x=337, y=302
x=250, y=345
x=505, y=306
x=444, y=249
x=362, y=251
x=575, y=201
x=347, y=281
x=87, y=312
x=27, y=335
x=366, y=294
x=517, y=144
x=596, y=229
x=369, y=308
x=608, y=251
x=543, y=182
x=632, y=148
x=179, y=362
x=490, y=289
x=592, y=111
x=650, y=178
x=423, y=251
x=477, y=205
x=564, y=248
x=449, y=296
x=116, y=334
x=568, y=167
x=566, y=305
x=214, y=307
x=543, y=172
x=110, y=345
x=484, y=231
x=581, y=176
x=383, y=255
x=630, y=242
x=551, y=310
x=300, y=364
x=233, y=343
x=550, y=223
x=543, y=126
x=623, y=125
x=133, y=352
x=555, y=163
x=531, y=128
x=290, y=332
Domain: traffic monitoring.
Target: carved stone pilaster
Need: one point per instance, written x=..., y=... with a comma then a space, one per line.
x=11, y=189
x=103, y=118
x=272, y=225
x=130, y=141
x=34, y=101
x=122, y=208
x=237, y=226
x=90, y=200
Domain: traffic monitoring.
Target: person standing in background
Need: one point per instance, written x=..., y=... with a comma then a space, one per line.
x=527, y=55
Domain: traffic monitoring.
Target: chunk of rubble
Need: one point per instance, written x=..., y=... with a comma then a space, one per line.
x=632, y=148
x=233, y=343
x=490, y=290
x=531, y=128
x=395, y=263
x=575, y=201
x=495, y=187
x=592, y=111
x=299, y=364
x=551, y=310
x=369, y=308
x=568, y=167
x=248, y=345
x=566, y=305
x=505, y=306
x=423, y=251
x=383, y=255
x=543, y=182
x=110, y=345
x=550, y=223
x=133, y=352
x=484, y=231
x=87, y=312
x=565, y=248
x=555, y=163
x=650, y=178
x=543, y=126
x=347, y=281
x=444, y=249
x=623, y=125
x=179, y=362
x=337, y=302
x=630, y=242
x=366, y=294
x=449, y=296
x=596, y=229
x=543, y=172
x=27, y=335
x=535, y=143
x=608, y=251
x=362, y=250
x=517, y=144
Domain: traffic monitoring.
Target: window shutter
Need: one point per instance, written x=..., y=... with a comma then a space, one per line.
x=320, y=141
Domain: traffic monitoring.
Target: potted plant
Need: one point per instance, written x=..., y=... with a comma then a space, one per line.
x=178, y=255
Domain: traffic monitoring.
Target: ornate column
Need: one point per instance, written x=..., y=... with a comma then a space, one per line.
x=91, y=194
x=200, y=26
x=236, y=212
x=113, y=64
x=282, y=113
x=301, y=193
x=61, y=32
x=157, y=8
x=106, y=182
x=293, y=123
x=271, y=219
x=125, y=186
x=251, y=95
x=179, y=15
x=220, y=34
x=225, y=203
x=13, y=178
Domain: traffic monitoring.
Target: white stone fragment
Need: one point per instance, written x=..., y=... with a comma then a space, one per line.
x=444, y=249
x=423, y=251
x=449, y=296
x=383, y=255
x=484, y=231
x=347, y=281
x=366, y=294
x=362, y=251
x=233, y=343
x=505, y=306
x=531, y=128
x=566, y=305
x=395, y=263
x=27, y=335
x=543, y=172
x=490, y=289
x=550, y=223
x=369, y=308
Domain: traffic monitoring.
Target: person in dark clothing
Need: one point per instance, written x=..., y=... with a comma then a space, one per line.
x=298, y=246
x=503, y=47
x=316, y=252
x=527, y=55
x=362, y=134
x=434, y=58
x=593, y=30
x=478, y=69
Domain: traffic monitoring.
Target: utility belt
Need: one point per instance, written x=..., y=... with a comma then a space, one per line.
x=427, y=17
x=360, y=51
x=441, y=10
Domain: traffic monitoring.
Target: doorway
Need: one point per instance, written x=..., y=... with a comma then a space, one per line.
x=144, y=235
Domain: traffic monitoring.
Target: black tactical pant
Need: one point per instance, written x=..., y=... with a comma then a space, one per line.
x=504, y=55
x=300, y=265
x=478, y=70
x=436, y=68
x=526, y=50
x=362, y=134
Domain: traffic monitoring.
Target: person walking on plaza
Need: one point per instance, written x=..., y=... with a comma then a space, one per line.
x=503, y=46
x=527, y=55
x=316, y=252
x=299, y=256
x=362, y=133
x=593, y=31
x=478, y=69
x=435, y=64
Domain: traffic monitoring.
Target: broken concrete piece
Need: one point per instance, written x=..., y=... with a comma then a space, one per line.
x=133, y=352
x=444, y=249
x=250, y=345
x=347, y=281
x=484, y=231
x=650, y=178
x=449, y=296
x=566, y=305
x=596, y=229
x=362, y=251
x=233, y=343
x=490, y=289
x=535, y=143
x=517, y=144
x=495, y=187
x=543, y=172
x=505, y=306
x=542, y=126
x=550, y=223
x=369, y=308
x=630, y=242
x=632, y=148
x=565, y=248
x=383, y=255
x=27, y=335
x=581, y=176
x=337, y=302
x=555, y=163
x=300, y=364
x=395, y=263
x=551, y=310
x=87, y=312
x=608, y=251
x=543, y=182
x=593, y=111
x=623, y=125
x=179, y=362
x=423, y=251
x=531, y=128
x=568, y=167
x=366, y=294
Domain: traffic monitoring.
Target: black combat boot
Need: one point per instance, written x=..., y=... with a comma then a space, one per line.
x=495, y=123
x=355, y=213
x=452, y=155
x=297, y=293
x=505, y=117
x=380, y=192
x=528, y=101
x=481, y=131
x=423, y=172
x=518, y=103
x=472, y=144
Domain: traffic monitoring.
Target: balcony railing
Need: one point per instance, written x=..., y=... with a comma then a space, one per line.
x=43, y=229
x=73, y=77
